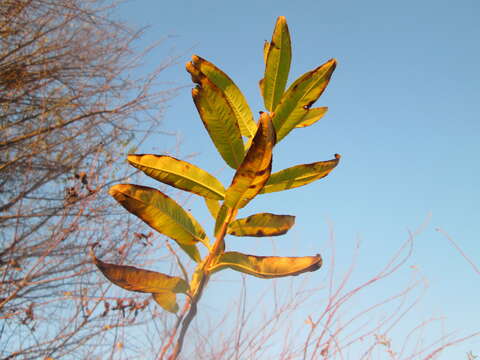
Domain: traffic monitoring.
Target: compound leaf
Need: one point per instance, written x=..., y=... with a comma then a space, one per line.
x=163, y=214
x=264, y=224
x=255, y=169
x=266, y=266
x=180, y=174
x=299, y=175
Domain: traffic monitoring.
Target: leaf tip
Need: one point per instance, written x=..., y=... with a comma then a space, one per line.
x=317, y=264
x=282, y=20
x=333, y=63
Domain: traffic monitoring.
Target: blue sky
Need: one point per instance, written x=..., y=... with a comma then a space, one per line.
x=403, y=113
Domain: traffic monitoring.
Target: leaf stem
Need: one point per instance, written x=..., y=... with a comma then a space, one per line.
x=204, y=273
x=219, y=245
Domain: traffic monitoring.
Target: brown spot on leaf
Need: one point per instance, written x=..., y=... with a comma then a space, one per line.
x=308, y=105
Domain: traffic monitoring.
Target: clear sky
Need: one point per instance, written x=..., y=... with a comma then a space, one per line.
x=403, y=113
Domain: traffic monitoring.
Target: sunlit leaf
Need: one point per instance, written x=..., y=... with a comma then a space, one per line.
x=166, y=300
x=163, y=287
x=163, y=214
x=140, y=280
x=277, y=65
x=255, y=170
x=198, y=278
x=179, y=174
x=192, y=250
x=220, y=219
x=218, y=117
x=299, y=97
x=266, y=47
x=312, y=116
x=264, y=224
x=232, y=93
x=213, y=207
x=299, y=175
x=267, y=266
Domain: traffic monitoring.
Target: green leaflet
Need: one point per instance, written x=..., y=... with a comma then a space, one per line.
x=180, y=174
x=264, y=224
x=162, y=286
x=311, y=116
x=278, y=56
x=299, y=175
x=218, y=117
x=163, y=214
x=266, y=267
x=255, y=170
x=232, y=93
x=300, y=96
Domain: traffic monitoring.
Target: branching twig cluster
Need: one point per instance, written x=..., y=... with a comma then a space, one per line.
x=70, y=107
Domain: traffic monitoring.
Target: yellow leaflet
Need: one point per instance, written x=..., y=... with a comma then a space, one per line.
x=179, y=173
x=264, y=224
x=267, y=266
x=255, y=170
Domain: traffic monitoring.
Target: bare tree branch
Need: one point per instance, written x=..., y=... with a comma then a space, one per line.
x=71, y=104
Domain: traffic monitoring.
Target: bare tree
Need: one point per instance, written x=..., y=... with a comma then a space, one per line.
x=71, y=104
